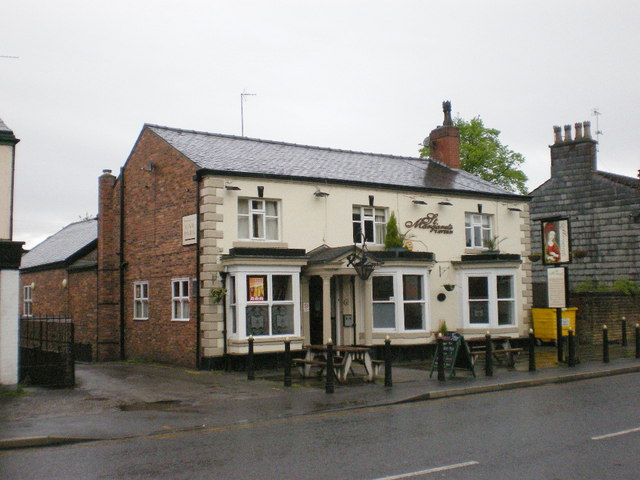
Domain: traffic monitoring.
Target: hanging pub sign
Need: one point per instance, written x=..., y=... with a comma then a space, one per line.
x=555, y=241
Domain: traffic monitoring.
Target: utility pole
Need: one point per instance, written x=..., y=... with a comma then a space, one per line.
x=242, y=95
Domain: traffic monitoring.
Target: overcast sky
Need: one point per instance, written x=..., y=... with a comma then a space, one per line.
x=359, y=75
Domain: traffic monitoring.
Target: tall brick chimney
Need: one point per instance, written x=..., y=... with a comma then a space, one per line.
x=573, y=156
x=444, y=141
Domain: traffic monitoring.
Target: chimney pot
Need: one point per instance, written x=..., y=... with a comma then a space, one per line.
x=587, y=130
x=106, y=171
x=567, y=133
x=578, y=131
x=557, y=134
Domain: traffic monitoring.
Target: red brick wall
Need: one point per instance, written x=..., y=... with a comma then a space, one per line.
x=81, y=291
x=48, y=297
x=605, y=308
x=155, y=201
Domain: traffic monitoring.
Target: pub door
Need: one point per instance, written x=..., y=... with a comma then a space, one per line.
x=316, y=311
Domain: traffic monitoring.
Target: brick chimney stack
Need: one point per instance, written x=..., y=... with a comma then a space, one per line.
x=571, y=157
x=444, y=141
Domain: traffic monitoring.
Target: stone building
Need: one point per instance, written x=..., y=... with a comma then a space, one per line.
x=603, y=212
x=205, y=240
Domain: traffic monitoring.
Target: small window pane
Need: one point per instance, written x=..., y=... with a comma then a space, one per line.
x=413, y=315
x=384, y=315
x=258, y=227
x=505, y=286
x=243, y=206
x=477, y=236
x=257, y=320
x=257, y=288
x=381, y=230
x=272, y=229
x=505, y=312
x=412, y=286
x=478, y=312
x=282, y=318
x=382, y=288
x=243, y=227
x=176, y=289
x=357, y=232
x=282, y=288
x=368, y=231
x=256, y=205
x=272, y=208
x=478, y=287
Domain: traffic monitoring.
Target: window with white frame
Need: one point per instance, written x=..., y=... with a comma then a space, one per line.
x=27, y=301
x=399, y=301
x=258, y=219
x=370, y=222
x=141, y=300
x=180, y=299
x=490, y=298
x=477, y=229
x=264, y=302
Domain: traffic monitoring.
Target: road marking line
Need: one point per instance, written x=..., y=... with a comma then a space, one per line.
x=430, y=470
x=616, y=434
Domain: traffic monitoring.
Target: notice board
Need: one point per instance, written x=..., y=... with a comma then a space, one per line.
x=456, y=354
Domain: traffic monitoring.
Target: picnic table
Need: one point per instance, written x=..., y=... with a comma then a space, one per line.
x=344, y=357
x=502, y=350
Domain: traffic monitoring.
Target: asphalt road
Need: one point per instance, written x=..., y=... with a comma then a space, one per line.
x=582, y=430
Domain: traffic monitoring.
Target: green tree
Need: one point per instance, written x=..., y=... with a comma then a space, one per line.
x=482, y=154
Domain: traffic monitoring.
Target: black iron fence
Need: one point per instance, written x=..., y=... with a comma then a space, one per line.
x=46, y=351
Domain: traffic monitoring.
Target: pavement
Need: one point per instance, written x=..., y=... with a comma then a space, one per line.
x=126, y=400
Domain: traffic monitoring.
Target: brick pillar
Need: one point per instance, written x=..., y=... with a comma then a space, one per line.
x=444, y=141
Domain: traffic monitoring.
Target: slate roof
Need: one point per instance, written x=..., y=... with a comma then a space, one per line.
x=251, y=156
x=621, y=179
x=64, y=246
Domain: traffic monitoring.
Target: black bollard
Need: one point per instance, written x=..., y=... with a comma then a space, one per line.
x=388, y=382
x=250, y=366
x=637, y=340
x=488, y=350
x=571, y=361
x=440, y=358
x=287, y=362
x=532, y=351
x=329, y=383
x=605, y=344
x=624, y=331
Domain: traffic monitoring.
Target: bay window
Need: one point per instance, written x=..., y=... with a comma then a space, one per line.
x=264, y=303
x=490, y=298
x=399, y=301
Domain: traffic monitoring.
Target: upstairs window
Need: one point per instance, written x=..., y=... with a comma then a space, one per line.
x=370, y=222
x=258, y=219
x=180, y=299
x=477, y=229
x=27, y=305
x=141, y=300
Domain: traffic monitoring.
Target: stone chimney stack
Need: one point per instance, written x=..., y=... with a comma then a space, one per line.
x=444, y=141
x=572, y=157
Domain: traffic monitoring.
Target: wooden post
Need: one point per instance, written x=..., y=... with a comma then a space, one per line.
x=488, y=347
x=329, y=384
x=388, y=382
x=250, y=366
x=532, y=351
x=440, y=357
x=287, y=362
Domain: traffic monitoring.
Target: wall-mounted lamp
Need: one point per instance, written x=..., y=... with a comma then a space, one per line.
x=229, y=186
x=361, y=262
x=449, y=287
x=419, y=202
x=33, y=285
x=149, y=168
x=515, y=209
x=319, y=194
x=446, y=203
x=64, y=283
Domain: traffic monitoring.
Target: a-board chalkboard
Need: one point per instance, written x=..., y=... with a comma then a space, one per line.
x=456, y=354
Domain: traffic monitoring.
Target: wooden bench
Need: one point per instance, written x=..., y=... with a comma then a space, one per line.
x=377, y=364
x=322, y=364
x=511, y=354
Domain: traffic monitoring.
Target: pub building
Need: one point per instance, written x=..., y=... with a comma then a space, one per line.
x=205, y=240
